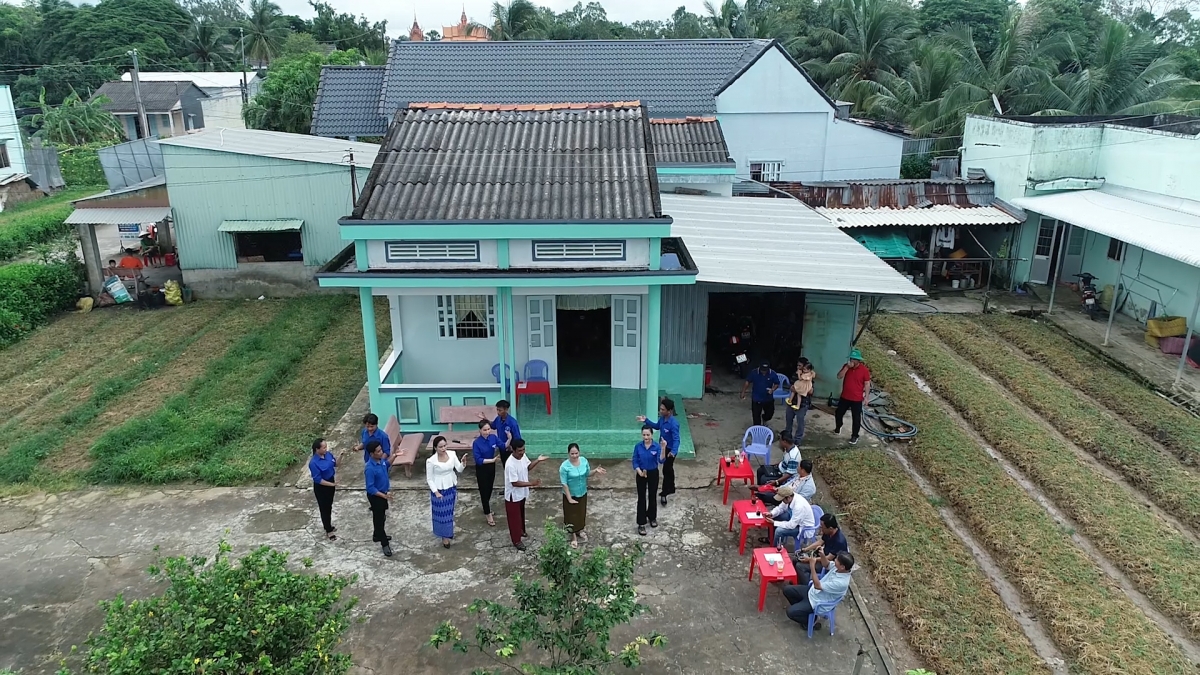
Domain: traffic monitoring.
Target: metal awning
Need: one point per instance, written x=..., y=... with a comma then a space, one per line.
x=1170, y=228
x=940, y=215
x=777, y=243
x=118, y=216
x=281, y=225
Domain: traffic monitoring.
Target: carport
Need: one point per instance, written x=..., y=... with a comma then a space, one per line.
x=139, y=204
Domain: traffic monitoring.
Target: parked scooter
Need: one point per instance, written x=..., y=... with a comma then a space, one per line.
x=1091, y=305
x=740, y=339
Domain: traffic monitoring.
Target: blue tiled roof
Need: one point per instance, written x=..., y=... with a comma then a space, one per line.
x=347, y=102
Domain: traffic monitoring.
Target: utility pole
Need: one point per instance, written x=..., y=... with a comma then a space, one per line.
x=245, y=80
x=353, y=181
x=137, y=94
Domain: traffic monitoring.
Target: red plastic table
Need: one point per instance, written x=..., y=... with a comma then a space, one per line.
x=744, y=472
x=770, y=573
x=743, y=509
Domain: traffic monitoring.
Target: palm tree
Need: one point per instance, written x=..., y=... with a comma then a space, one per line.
x=913, y=97
x=265, y=31
x=208, y=46
x=867, y=38
x=76, y=122
x=518, y=20
x=752, y=19
x=1125, y=75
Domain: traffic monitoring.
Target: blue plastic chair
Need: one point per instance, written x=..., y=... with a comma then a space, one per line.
x=828, y=616
x=537, y=371
x=783, y=390
x=809, y=534
x=760, y=440
x=507, y=375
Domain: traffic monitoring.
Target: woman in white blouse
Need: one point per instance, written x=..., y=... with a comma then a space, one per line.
x=441, y=473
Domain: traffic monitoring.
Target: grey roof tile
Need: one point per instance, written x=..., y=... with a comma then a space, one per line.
x=691, y=140
x=347, y=102
x=156, y=96
x=560, y=164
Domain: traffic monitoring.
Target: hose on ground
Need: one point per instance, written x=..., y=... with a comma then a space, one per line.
x=876, y=419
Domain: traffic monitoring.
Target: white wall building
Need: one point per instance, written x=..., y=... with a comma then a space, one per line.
x=223, y=107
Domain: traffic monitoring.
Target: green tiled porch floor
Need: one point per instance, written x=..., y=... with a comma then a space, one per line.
x=603, y=421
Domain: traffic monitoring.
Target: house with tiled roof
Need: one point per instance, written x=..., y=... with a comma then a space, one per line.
x=172, y=108
x=777, y=123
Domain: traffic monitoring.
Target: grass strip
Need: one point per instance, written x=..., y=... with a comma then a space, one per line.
x=46, y=427
x=1095, y=625
x=35, y=222
x=952, y=616
x=1162, y=563
x=1177, y=429
x=1160, y=476
x=45, y=345
x=173, y=442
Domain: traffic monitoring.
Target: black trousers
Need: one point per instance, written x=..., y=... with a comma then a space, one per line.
x=768, y=498
x=804, y=575
x=324, y=495
x=668, y=476
x=505, y=453
x=379, y=507
x=767, y=473
x=485, y=476
x=799, y=609
x=647, y=508
x=762, y=411
x=855, y=408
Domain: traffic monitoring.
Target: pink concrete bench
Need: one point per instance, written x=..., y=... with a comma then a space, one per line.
x=404, y=447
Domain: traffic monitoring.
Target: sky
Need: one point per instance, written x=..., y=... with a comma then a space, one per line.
x=433, y=14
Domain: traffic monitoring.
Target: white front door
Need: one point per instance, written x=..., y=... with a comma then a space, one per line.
x=627, y=342
x=543, y=333
x=1043, y=251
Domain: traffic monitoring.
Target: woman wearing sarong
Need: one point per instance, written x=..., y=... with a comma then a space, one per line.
x=441, y=473
x=574, y=474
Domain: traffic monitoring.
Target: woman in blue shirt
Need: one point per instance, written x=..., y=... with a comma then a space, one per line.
x=668, y=439
x=485, y=450
x=574, y=474
x=322, y=465
x=645, y=464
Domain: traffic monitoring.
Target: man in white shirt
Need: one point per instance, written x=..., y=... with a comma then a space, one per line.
x=791, y=516
x=516, y=490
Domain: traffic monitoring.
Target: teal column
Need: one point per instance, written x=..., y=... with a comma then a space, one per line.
x=360, y=256
x=511, y=338
x=371, y=347
x=501, y=332
x=502, y=254
x=653, y=336
x=655, y=253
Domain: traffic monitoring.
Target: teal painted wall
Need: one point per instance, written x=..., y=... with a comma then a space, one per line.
x=208, y=187
x=682, y=379
x=828, y=331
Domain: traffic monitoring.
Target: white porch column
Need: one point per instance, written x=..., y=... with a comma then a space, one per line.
x=397, y=336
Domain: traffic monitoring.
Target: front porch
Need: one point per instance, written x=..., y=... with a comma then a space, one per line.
x=602, y=420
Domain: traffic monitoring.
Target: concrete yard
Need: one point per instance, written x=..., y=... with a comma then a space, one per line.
x=61, y=554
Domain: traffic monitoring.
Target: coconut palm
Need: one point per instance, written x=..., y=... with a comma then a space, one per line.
x=751, y=19
x=208, y=46
x=914, y=96
x=265, y=31
x=867, y=38
x=518, y=20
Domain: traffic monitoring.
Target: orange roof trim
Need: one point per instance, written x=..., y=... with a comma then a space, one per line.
x=442, y=105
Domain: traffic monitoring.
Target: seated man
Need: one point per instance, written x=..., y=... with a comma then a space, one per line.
x=823, y=595
x=791, y=515
x=787, y=471
x=831, y=543
x=131, y=266
x=803, y=482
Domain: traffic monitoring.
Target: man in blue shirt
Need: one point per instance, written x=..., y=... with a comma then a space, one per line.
x=668, y=440
x=761, y=384
x=485, y=450
x=645, y=465
x=323, y=467
x=831, y=543
x=379, y=493
x=506, y=429
x=372, y=432
x=823, y=595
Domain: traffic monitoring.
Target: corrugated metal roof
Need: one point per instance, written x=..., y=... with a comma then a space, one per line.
x=778, y=243
x=112, y=216
x=204, y=80
x=1170, y=228
x=296, y=147
x=156, y=181
x=939, y=216
x=347, y=102
x=583, y=163
x=897, y=194
x=691, y=140
x=277, y=225
x=158, y=97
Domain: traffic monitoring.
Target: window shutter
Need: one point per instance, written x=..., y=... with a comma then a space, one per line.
x=579, y=250
x=425, y=251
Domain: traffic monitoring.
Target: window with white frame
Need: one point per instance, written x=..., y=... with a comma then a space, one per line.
x=432, y=251
x=4, y=161
x=766, y=171
x=466, y=317
x=579, y=250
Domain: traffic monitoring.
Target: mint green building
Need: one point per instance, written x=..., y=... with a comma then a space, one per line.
x=538, y=243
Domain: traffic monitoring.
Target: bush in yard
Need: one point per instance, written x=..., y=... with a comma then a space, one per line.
x=80, y=165
x=256, y=616
x=30, y=293
x=25, y=230
x=566, y=615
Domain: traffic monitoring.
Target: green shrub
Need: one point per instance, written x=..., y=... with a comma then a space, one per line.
x=30, y=293
x=256, y=616
x=81, y=165
x=36, y=226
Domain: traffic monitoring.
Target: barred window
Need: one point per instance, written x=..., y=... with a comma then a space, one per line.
x=464, y=317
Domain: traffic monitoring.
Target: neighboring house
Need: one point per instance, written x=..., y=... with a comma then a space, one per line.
x=1117, y=197
x=779, y=125
x=172, y=108
x=690, y=154
x=223, y=107
x=256, y=212
x=15, y=183
x=559, y=247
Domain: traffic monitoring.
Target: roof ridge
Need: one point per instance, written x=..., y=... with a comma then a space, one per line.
x=538, y=107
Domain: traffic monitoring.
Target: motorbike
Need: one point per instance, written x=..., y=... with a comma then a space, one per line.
x=740, y=340
x=1090, y=302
